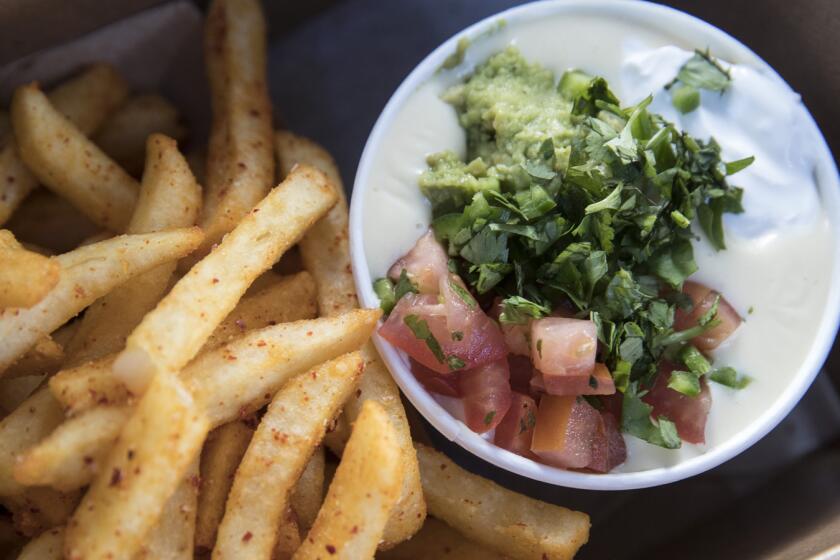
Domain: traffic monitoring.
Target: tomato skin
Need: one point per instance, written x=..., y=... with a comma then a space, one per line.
x=425, y=264
x=565, y=431
x=600, y=382
x=688, y=413
x=516, y=429
x=434, y=382
x=703, y=298
x=467, y=336
x=608, y=448
x=485, y=392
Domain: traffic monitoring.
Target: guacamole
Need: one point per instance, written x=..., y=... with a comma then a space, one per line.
x=508, y=109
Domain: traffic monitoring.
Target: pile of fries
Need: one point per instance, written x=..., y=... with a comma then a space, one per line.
x=165, y=392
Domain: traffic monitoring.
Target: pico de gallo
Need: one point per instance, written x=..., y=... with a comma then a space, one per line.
x=551, y=294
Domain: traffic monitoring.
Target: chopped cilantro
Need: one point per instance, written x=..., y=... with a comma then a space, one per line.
x=463, y=294
x=636, y=420
x=488, y=418
x=420, y=328
x=685, y=382
x=454, y=362
x=729, y=377
x=457, y=336
x=389, y=293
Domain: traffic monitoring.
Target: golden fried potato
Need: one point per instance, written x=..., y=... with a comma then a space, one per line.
x=285, y=439
x=174, y=332
x=67, y=162
x=46, y=546
x=362, y=494
x=25, y=277
x=308, y=494
x=440, y=541
x=173, y=538
x=498, y=518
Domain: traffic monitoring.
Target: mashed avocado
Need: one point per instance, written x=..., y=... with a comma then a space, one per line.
x=518, y=126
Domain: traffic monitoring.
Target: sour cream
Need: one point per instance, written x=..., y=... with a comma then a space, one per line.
x=778, y=262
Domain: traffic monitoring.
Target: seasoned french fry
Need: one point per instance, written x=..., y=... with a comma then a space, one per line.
x=87, y=274
x=46, y=546
x=36, y=417
x=291, y=298
x=227, y=388
x=25, y=277
x=123, y=136
x=47, y=220
x=173, y=536
x=240, y=160
x=438, y=540
x=324, y=248
x=378, y=385
x=66, y=161
x=219, y=459
x=71, y=455
x=152, y=455
x=85, y=100
x=366, y=487
x=267, y=358
x=39, y=509
x=326, y=254
x=498, y=518
x=92, y=384
x=169, y=198
x=174, y=332
x=308, y=493
x=45, y=357
x=288, y=537
x=286, y=437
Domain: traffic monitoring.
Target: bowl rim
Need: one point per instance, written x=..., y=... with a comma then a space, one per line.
x=454, y=430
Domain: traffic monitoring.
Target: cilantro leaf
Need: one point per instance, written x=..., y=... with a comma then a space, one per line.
x=674, y=263
x=517, y=310
x=420, y=328
x=729, y=377
x=636, y=420
x=702, y=71
x=685, y=382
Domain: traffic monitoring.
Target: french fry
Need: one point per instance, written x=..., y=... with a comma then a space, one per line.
x=35, y=418
x=240, y=159
x=366, y=487
x=241, y=377
x=324, y=248
x=46, y=546
x=11, y=541
x=67, y=162
x=40, y=509
x=227, y=388
x=87, y=274
x=74, y=452
x=123, y=136
x=378, y=385
x=326, y=254
x=169, y=198
x=173, y=536
x=172, y=334
x=286, y=437
x=288, y=537
x=220, y=457
x=86, y=101
x=92, y=384
x=142, y=471
x=498, y=518
x=308, y=494
x=25, y=277
x=440, y=541
x=47, y=220
x=45, y=357
x=291, y=298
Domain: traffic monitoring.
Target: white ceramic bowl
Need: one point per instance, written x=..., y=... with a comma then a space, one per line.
x=685, y=31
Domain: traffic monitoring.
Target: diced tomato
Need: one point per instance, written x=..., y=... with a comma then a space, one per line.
x=426, y=263
x=467, y=337
x=688, y=413
x=486, y=394
x=517, y=336
x=521, y=372
x=703, y=298
x=563, y=350
x=565, y=431
x=613, y=404
x=515, y=431
x=608, y=448
x=434, y=382
x=600, y=382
